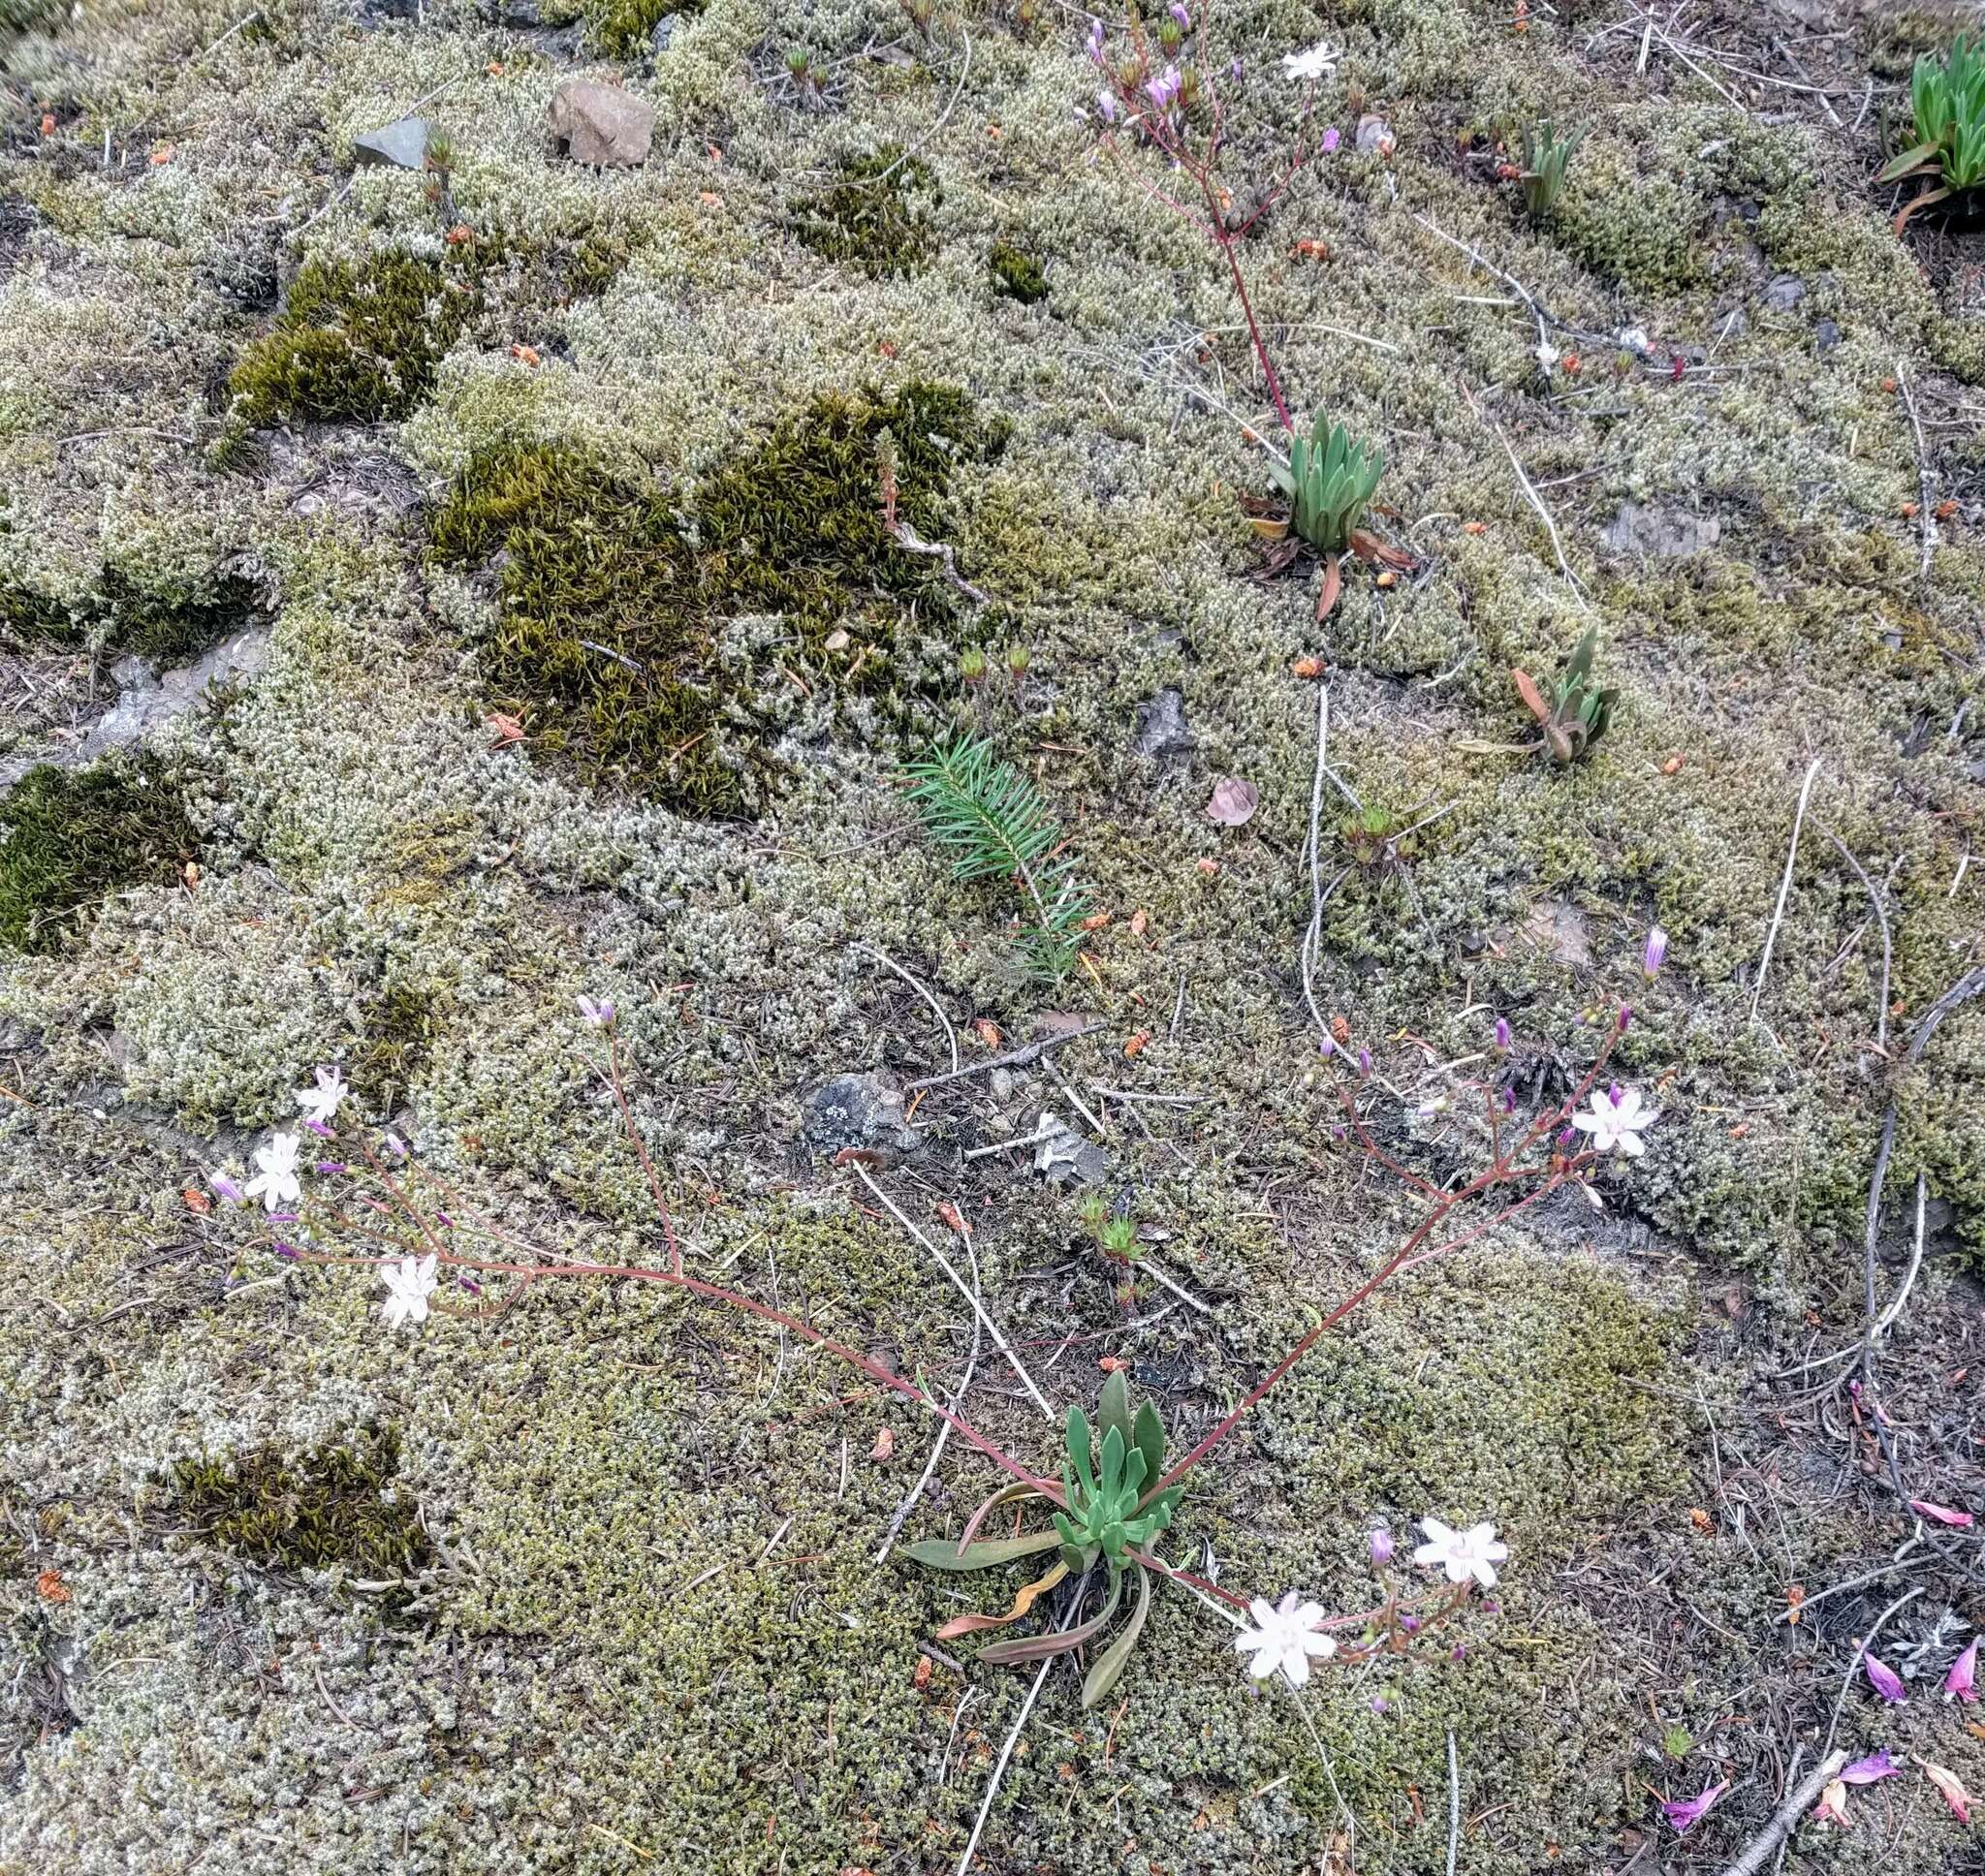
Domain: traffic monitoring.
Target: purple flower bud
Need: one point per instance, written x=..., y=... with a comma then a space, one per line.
x=330, y=1165
x=1504, y=1039
x=1179, y=14
x=1106, y=103
x=1330, y=140
x=599, y=1013
x=1378, y=1703
x=1567, y=1138
x=1885, y=1680
x=1626, y=1016
x=1095, y=40
x=442, y=1219
x=1656, y=952
x=1364, y=1061
x=283, y=1217
x=1460, y=1651
x=1380, y=1545
x=1164, y=88
x=1685, y=1814
x=1326, y=1047
x=1410, y=1623
x=1956, y=1684
x=1614, y=1093
x=318, y=1128
x=1338, y=1132
x=1234, y=70
x=1866, y=1772
x=1509, y=1101
x=1491, y=1606
x=287, y=1252
x=224, y=1189
x=469, y=1284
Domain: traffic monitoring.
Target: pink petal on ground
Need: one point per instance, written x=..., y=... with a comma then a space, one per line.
x=1883, y=1680
x=1944, y=1515
x=1234, y=801
x=1952, y=1788
x=1956, y=1684
x=1865, y=1771
x=1685, y=1814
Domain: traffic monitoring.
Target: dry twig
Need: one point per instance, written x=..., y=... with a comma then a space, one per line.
x=1771, y=936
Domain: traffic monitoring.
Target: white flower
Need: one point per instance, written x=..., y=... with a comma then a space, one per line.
x=276, y=1182
x=1473, y=1553
x=1284, y=1636
x=1617, y=1120
x=321, y=1102
x=409, y=1284
x=1319, y=61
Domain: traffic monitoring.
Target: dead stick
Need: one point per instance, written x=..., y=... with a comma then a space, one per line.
x=1767, y=1840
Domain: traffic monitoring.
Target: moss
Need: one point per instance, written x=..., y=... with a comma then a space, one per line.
x=334, y=1505
x=624, y=29
x=1636, y=230
x=607, y=645
x=399, y=1030
x=72, y=836
x=1016, y=274
x=358, y=342
x=876, y=217
x=168, y=618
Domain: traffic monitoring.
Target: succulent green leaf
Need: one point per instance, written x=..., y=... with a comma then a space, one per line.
x=1079, y=1448
x=1147, y=1433
x=1110, y=1473
x=1110, y=1663
x=1113, y=1410
x=941, y=1554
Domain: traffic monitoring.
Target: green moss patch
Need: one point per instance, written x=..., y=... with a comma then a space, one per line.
x=877, y=215
x=358, y=342
x=334, y=1505
x=72, y=836
x=611, y=598
x=1016, y=274
x=624, y=29
x=167, y=619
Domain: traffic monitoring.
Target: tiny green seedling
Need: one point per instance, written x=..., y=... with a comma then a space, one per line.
x=1109, y=1515
x=1579, y=712
x=1546, y=158
x=1115, y=1236
x=1949, y=126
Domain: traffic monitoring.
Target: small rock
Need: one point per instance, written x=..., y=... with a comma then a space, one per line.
x=664, y=32
x=402, y=144
x=601, y=124
x=1634, y=340
x=1826, y=336
x=1375, y=136
x=1666, y=533
x=1161, y=726
x=1784, y=293
x=858, y=1112
x=1003, y=1084
x=1559, y=926
x=1064, y=1157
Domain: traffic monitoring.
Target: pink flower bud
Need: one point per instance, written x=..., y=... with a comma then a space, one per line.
x=225, y=1189
x=1656, y=952
x=1504, y=1041
x=1885, y=1680
x=1380, y=1545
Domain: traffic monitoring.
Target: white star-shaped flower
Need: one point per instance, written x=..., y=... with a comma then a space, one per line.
x=276, y=1182
x=1284, y=1636
x=1317, y=61
x=1463, y=1554
x=409, y=1284
x=321, y=1102
x=1617, y=1120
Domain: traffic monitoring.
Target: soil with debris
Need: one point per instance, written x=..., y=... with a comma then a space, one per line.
x=496, y=493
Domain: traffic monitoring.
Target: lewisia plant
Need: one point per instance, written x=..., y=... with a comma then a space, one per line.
x=378, y=1206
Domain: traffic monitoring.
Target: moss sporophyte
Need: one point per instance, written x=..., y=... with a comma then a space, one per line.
x=1108, y=1515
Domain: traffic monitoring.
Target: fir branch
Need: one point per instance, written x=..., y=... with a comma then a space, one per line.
x=994, y=824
